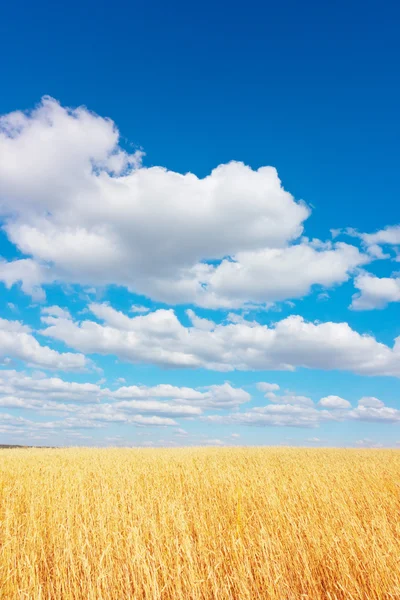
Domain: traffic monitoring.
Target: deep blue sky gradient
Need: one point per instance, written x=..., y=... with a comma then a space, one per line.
x=311, y=88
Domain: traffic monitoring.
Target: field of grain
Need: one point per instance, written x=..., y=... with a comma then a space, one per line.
x=279, y=524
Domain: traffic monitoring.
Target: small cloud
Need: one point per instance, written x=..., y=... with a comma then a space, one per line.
x=56, y=311
x=138, y=308
x=264, y=386
x=334, y=402
x=214, y=442
x=235, y=435
x=370, y=402
x=368, y=443
x=38, y=375
x=180, y=432
x=323, y=296
x=12, y=307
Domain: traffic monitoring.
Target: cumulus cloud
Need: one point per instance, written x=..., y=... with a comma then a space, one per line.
x=17, y=341
x=368, y=443
x=75, y=406
x=138, y=308
x=271, y=275
x=274, y=415
x=375, y=292
x=289, y=399
x=213, y=396
x=29, y=273
x=370, y=402
x=82, y=210
x=382, y=414
x=389, y=235
x=373, y=242
x=334, y=402
x=17, y=383
x=374, y=410
x=78, y=422
x=56, y=311
x=88, y=401
x=161, y=339
x=264, y=386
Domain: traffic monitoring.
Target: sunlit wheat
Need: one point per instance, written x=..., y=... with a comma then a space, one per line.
x=240, y=523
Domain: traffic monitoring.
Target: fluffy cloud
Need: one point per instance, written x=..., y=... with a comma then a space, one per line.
x=270, y=275
x=274, y=415
x=383, y=414
x=374, y=410
x=375, y=292
x=85, y=211
x=263, y=386
x=30, y=273
x=373, y=242
x=90, y=401
x=368, y=443
x=16, y=341
x=289, y=399
x=16, y=383
x=370, y=402
x=390, y=235
x=74, y=406
x=20, y=424
x=160, y=338
x=334, y=402
x=330, y=408
x=214, y=396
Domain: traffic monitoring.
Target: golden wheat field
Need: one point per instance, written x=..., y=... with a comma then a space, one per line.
x=182, y=524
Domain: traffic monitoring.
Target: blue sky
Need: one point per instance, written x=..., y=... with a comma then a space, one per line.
x=203, y=197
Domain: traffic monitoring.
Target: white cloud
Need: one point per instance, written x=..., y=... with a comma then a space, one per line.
x=373, y=410
x=274, y=415
x=157, y=408
x=274, y=274
x=28, y=272
x=161, y=339
x=16, y=341
x=87, y=402
x=214, y=442
x=375, y=292
x=76, y=406
x=368, y=443
x=213, y=396
x=180, y=432
x=137, y=308
x=334, y=402
x=373, y=242
x=16, y=383
x=84, y=211
x=56, y=311
x=263, y=386
x=390, y=235
x=370, y=402
x=289, y=399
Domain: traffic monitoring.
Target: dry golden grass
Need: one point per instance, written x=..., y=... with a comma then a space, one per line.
x=279, y=524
